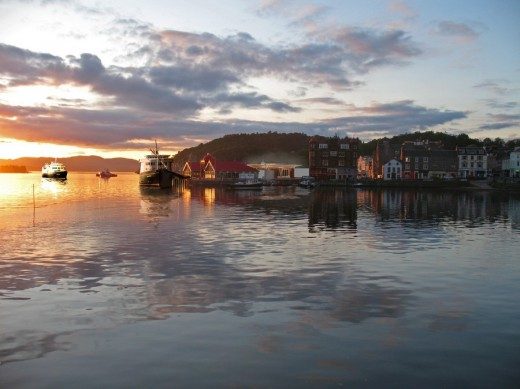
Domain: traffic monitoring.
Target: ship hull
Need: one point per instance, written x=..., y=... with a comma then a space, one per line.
x=161, y=178
x=62, y=175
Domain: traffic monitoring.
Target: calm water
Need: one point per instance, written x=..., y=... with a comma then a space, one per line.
x=108, y=285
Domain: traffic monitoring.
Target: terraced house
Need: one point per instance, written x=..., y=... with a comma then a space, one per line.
x=472, y=162
x=333, y=158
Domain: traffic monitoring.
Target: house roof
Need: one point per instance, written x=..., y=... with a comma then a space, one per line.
x=232, y=167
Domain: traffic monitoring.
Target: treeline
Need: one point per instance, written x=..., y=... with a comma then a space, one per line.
x=13, y=169
x=449, y=141
x=293, y=147
x=257, y=147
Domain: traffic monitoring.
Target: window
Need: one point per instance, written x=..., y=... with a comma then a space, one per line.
x=323, y=146
x=313, y=146
x=425, y=159
x=388, y=169
x=341, y=162
x=324, y=162
x=407, y=166
x=472, y=157
x=471, y=164
x=344, y=146
x=425, y=166
x=479, y=157
x=388, y=175
x=333, y=153
x=416, y=159
x=324, y=153
x=341, y=154
x=464, y=157
x=407, y=159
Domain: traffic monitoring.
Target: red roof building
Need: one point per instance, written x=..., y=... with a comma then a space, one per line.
x=210, y=169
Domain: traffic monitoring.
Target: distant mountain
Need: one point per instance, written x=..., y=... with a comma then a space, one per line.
x=251, y=148
x=77, y=164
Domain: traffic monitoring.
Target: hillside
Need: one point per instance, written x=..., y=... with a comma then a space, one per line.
x=270, y=146
x=77, y=164
x=293, y=148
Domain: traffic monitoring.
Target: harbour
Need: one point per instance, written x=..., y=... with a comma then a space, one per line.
x=285, y=285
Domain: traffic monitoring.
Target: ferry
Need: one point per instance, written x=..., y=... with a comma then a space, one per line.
x=156, y=170
x=54, y=170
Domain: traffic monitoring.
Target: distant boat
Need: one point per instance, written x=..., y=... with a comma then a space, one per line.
x=156, y=170
x=307, y=182
x=248, y=184
x=105, y=174
x=54, y=170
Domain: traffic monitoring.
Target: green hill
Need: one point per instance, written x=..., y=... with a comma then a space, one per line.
x=251, y=148
x=293, y=147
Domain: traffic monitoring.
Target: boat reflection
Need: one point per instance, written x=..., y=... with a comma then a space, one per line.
x=53, y=185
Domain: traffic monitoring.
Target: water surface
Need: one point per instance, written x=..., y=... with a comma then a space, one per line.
x=106, y=284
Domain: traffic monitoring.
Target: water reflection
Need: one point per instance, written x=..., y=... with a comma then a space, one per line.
x=322, y=264
x=333, y=209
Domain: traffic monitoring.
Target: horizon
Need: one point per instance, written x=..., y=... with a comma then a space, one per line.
x=188, y=73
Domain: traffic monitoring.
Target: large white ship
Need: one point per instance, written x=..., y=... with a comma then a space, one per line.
x=156, y=169
x=54, y=169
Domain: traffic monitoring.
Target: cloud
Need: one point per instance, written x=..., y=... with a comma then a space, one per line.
x=501, y=121
x=495, y=86
x=494, y=103
x=460, y=32
x=403, y=9
x=116, y=128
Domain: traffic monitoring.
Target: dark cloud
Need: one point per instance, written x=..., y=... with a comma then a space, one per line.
x=189, y=78
x=500, y=121
x=500, y=125
x=251, y=100
x=493, y=103
x=115, y=128
x=367, y=49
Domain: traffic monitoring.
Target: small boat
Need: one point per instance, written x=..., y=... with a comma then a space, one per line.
x=54, y=170
x=307, y=182
x=247, y=184
x=156, y=170
x=105, y=174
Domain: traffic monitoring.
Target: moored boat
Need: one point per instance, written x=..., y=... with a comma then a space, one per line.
x=307, y=182
x=247, y=184
x=156, y=170
x=105, y=174
x=54, y=169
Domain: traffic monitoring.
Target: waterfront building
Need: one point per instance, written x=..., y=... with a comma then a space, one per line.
x=443, y=163
x=364, y=166
x=268, y=171
x=209, y=168
x=392, y=170
x=385, y=151
x=333, y=158
x=472, y=162
x=511, y=165
x=416, y=159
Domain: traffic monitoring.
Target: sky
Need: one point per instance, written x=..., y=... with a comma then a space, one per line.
x=110, y=78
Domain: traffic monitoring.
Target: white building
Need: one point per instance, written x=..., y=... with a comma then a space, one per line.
x=472, y=162
x=392, y=170
x=511, y=166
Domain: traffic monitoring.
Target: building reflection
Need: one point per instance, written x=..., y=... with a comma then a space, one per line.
x=333, y=209
x=437, y=206
x=141, y=276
